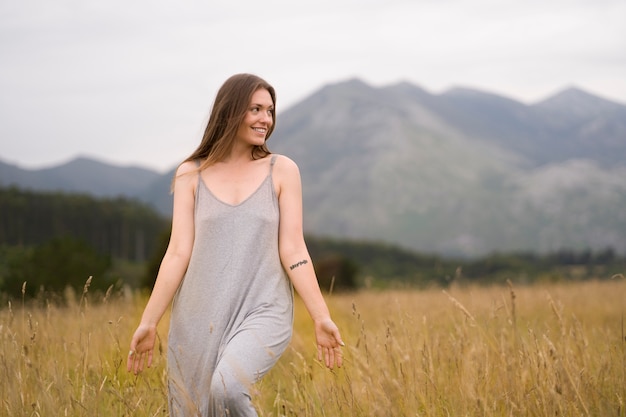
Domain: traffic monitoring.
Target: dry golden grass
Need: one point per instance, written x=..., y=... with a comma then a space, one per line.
x=553, y=350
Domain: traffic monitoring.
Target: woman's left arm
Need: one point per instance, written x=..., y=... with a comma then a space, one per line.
x=295, y=258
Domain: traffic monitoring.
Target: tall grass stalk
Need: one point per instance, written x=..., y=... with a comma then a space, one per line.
x=517, y=351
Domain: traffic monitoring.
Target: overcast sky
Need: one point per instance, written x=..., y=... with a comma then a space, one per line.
x=132, y=81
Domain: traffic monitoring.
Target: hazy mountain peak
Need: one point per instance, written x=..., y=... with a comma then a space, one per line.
x=351, y=84
x=576, y=101
x=82, y=162
x=473, y=94
x=81, y=174
x=407, y=88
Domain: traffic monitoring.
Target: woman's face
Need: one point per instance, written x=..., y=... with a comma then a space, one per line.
x=258, y=120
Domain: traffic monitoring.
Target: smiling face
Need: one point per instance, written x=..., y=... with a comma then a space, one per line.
x=258, y=119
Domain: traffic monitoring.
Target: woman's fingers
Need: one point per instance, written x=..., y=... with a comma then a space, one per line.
x=133, y=362
x=330, y=355
x=150, y=358
x=131, y=357
x=330, y=361
x=329, y=344
x=339, y=356
x=136, y=361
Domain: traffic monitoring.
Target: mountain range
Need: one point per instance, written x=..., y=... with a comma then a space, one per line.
x=464, y=172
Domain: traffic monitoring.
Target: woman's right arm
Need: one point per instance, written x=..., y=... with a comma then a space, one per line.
x=172, y=267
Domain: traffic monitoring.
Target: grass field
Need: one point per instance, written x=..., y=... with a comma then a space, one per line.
x=553, y=350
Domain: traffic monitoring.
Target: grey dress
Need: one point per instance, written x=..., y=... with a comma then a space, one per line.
x=232, y=316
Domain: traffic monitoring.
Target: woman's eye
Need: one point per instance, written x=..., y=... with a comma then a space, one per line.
x=256, y=110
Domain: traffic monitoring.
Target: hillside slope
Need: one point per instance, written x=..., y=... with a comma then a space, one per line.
x=461, y=172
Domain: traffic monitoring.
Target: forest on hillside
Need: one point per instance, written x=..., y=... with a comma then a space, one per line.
x=53, y=240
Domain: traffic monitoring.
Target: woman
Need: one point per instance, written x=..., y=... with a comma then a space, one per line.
x=235, y=253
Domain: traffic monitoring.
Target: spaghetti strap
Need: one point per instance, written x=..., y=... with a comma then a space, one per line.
x=198, y=163
x=272, y=163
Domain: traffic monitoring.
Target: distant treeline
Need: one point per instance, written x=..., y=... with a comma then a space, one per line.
x=54, y=240
x=117, y=227
x=383, y=265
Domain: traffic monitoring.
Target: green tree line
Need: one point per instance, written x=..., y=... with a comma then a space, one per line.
x=54, y=240
x=382, y=265
x=118, y=227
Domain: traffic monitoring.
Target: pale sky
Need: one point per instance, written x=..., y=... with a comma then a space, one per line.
x=132, y=82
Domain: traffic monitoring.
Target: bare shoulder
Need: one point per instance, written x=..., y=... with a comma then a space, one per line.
x=185, y=174
x=186, y=167
x=286, y=175
x=285, y=166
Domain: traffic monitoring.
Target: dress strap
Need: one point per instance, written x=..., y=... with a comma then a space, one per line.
x=272, y=160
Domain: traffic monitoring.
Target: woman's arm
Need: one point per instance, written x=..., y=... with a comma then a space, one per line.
x=296, y=260
x=172, y=268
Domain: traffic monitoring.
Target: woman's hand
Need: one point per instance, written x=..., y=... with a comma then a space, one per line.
x=329, y=343
x=141, y=348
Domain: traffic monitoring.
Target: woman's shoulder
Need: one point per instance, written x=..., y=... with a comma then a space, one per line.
x=284, y=163
x=285, y=172
x=187, y=167
x=185, y=173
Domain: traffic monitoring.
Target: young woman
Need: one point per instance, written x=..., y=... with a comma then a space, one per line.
x=235, y=253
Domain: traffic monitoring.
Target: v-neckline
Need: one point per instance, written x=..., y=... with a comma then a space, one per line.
x=256, y=190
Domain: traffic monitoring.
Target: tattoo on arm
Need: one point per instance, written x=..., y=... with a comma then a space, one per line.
x=302, y=262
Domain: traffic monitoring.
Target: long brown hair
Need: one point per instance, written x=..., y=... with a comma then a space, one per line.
x=228, y=112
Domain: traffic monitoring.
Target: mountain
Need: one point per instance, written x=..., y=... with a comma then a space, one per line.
x=587, y=126
x=464, y=172
x=85, y=175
